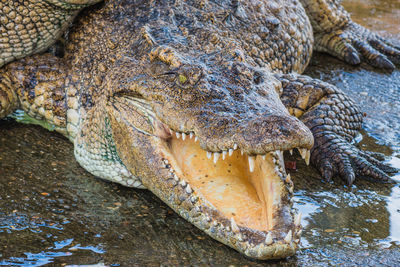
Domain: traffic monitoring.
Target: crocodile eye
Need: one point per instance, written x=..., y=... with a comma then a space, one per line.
x=182, y=78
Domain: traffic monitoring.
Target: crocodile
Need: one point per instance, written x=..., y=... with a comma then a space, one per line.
x=197, y=100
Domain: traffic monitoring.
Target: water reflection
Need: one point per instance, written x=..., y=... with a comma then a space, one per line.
x=366, y=215
x=376, y=222
x=393, y=206
x=19, y=224
x=52, y=211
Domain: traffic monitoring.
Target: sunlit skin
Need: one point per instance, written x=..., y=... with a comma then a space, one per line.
x=168, y=96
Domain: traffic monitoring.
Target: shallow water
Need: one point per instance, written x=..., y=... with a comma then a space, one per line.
x=52, y=211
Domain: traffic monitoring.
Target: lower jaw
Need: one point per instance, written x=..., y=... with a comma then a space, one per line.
x=244, y=210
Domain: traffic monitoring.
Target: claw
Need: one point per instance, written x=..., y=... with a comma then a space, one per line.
x=351, y=56
x=350, y=177
x=390, y=51
x=346, y=170
x=327, y=171
x=383, y=62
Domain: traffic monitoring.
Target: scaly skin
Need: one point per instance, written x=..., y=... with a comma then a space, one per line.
x=335, y=33
x=137, y=73
x=31, y=26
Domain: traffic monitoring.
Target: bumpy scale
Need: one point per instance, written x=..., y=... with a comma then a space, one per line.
x=197, y=100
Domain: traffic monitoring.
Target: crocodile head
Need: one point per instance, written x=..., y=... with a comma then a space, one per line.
x=206, y=135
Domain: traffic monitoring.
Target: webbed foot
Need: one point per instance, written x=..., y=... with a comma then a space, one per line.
x=355, y=44
x=333, y=155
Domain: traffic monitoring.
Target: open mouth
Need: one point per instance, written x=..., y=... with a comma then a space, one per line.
x=243, y=188
x=242, y=200
x=252, y=193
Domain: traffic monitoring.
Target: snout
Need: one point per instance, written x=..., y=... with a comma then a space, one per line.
x=274, y=132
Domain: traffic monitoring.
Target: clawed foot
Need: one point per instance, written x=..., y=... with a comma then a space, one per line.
x=333, y=155
x=355, y=44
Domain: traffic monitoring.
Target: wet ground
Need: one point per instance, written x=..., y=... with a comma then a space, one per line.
x=52, y=211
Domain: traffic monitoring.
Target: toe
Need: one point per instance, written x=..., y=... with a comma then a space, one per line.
x=392, y=53
x=366, y=169
x=382, y=166
x=326, y=170
x=351, y=55
x=346, y=171
x=376, y=155
x=373, y=57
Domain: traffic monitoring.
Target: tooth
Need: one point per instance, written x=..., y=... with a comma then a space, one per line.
x=303, y=152
x=194, y=199
x=188, y=189
x=308, y=154
x=291, y=151
x=298, y=234
x=268, y=239
x=178, y=135
x=241, y=152
x=195, y=139
x=191, y=135
x=183, y=136
x=209, y=154
x=216, y=157
x=230, y=151
x=251, y=163
x=183, y=183
x=171, y=132
x=288, y=179
x=224, y=154
x=288, y=237
x=234, y=226
x=263, y=157
x=280, y=153
x=297, y=219
x=239, y=237
x=176, y=178
x=235, y=146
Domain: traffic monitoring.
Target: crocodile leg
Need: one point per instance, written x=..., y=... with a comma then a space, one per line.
x=334, y=119
x=31, y=26
x=8, y=97
x=49, y=93
x=335, y=33
x=37, y=86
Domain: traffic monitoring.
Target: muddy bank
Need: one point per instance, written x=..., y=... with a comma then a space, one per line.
x=53, y=211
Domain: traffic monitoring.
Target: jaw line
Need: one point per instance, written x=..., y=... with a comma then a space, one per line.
x=194, y=206
x=175, y=189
